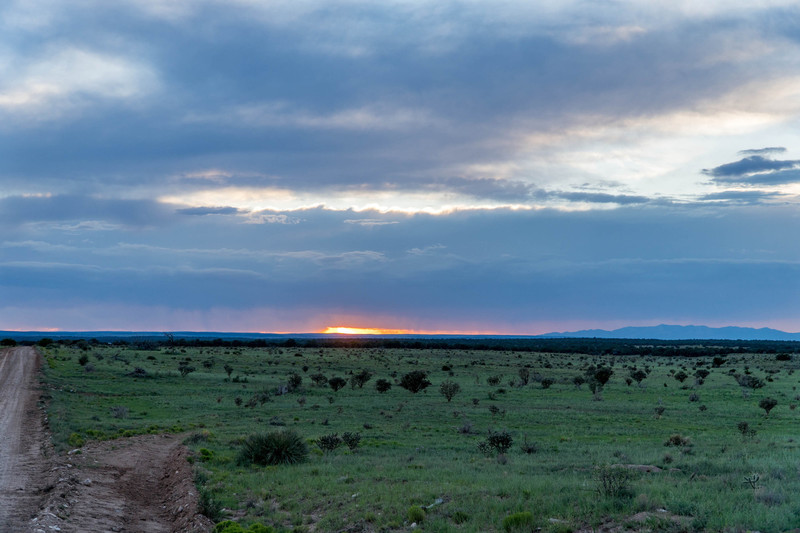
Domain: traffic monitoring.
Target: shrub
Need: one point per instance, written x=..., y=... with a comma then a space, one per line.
x=681, y=376
x=294, y=381
x=275, y=448
x=352, y=440
x=678, y=440
x=748, y=381
x=328, y=443
x=415, y=381
x=382, y=385
x=694, y=397
x=211, y=507
x=783, y=357
x=493, y=380
x=529, y=447
x=229, y=526
x=449, y=389
x=612, y=481
x=416, y=514
x=336, y=383
x=360, y=379
x=83, y=359
x=518, y=521
x=320, y=380
x=767, y=404
x=119, y=411
x=497, y=441
x=459, y=517
x=745, y=429
x=185, y=369
x=546, y=382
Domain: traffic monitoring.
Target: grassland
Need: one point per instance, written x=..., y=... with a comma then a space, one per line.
x=416, y=449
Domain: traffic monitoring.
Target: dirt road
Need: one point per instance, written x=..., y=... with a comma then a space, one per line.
x=23, y=467
x=137, y=485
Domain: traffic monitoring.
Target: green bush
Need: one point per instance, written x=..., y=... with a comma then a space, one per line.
x=518, y=521
x=276, y=448
x=229, y=526
x=416, y=514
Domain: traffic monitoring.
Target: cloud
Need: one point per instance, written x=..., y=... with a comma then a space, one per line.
x=763, y=151
x=602, y=198
x=203, y=211
x=742, y=197
x=757, y=170
x=85, y=211
x=747, y=167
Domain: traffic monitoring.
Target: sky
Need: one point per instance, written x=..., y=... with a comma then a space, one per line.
x=509, y=167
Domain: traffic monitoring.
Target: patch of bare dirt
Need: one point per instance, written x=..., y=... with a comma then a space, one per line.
x=135, y=485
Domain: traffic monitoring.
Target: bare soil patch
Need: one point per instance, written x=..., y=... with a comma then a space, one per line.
x=136, y=485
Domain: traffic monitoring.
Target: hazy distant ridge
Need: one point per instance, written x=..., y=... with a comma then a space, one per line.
x=668, y=332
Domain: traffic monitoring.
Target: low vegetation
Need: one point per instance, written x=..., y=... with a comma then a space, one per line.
x=453, y=438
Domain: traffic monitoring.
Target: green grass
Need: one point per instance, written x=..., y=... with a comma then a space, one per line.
x=412, y=454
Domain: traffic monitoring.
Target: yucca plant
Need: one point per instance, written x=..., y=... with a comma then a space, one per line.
x=275, y=448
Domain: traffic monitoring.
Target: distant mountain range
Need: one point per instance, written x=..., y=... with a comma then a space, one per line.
x=671, y=333
x=662, y=332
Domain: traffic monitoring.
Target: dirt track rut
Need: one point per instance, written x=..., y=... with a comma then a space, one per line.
x=22, y=438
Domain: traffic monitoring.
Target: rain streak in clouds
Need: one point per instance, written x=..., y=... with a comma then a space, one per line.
x=447, y=166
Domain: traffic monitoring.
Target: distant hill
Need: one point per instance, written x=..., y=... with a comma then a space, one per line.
x=668, y=332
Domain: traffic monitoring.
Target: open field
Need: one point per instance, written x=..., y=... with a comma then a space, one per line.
x=421, y=450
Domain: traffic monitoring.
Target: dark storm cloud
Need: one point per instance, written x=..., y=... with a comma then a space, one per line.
x=747, y=167
x=17, y=210
x=202, y=211
x=317, y=107
x=742, y=197
x=602, y=198
x=763, y=151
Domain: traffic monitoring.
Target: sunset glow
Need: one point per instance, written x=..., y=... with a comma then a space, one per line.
x=365, y=331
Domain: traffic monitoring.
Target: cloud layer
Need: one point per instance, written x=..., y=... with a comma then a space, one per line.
x=510, y=167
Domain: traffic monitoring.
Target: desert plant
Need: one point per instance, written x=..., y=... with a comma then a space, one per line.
x=546, y=382
x=228, y=369
x=328, y=443
x=294, y=381
x=612, y=481
x=524, y=376
x=638, y=376
x=493, y=380
x=745, y=429
x=416, y=514
x=360, y=379
x=449, y=389
x=522, y=521
x=747, y=381
x=678, y=440
x=185, y=369
x=681, y=376
x=275, y=448
x=352, y=440
x=767, y=405
x=119, y=411
x=336, y=383
x=320, y=380
x=497, y=442
x=382, y=385
x=415, y=381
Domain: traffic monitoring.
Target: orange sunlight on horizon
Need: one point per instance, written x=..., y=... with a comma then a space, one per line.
x=365, y=331
x=347, y=330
